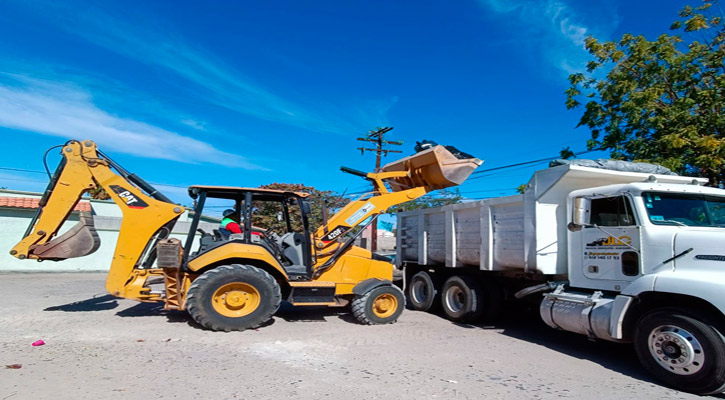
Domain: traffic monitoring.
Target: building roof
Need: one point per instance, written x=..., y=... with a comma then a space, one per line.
x=32, y=202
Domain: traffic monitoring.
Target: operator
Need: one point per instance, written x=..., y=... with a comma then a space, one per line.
x=231, y=221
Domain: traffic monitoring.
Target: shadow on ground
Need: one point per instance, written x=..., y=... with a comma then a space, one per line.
x=525, y=324
x=100, y=303
x=291, y=313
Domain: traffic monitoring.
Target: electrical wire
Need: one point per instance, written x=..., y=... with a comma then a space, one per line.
x=527, y=163
x=21, y=170
x=30, y=171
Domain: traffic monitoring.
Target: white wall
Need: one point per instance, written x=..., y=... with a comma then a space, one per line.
x=14, y=222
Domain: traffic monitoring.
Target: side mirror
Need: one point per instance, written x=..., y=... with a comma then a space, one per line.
x=580, y=217
x=306, y=207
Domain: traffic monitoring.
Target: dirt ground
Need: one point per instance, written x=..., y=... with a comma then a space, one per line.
x=99, y=347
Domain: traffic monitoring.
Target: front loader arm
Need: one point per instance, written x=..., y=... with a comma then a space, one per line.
x=355, y=212
x=144, y=218
x=396, y=183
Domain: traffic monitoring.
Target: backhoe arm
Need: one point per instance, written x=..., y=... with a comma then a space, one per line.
x=83, y=168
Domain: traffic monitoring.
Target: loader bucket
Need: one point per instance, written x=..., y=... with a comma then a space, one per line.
x=435, y=168
x=79, y=241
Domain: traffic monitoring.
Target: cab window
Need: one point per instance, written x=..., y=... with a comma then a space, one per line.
x=612, y=211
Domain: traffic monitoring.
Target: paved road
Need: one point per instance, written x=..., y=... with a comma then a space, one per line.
x=99, y=347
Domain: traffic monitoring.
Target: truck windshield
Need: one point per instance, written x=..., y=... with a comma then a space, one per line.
x=684, y=209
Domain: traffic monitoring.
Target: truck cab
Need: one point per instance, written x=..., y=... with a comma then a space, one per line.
x=636, y=237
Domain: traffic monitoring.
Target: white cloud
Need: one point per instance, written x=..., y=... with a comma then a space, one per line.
x=209, y=78
x=550, y=26
x=200, y=126
x=67, y=111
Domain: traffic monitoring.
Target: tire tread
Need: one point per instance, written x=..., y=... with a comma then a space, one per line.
x=194, y=300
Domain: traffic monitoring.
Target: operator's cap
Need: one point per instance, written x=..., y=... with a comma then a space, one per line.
x=228, y=212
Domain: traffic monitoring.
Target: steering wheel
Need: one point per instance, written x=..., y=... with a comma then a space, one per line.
x=266, y=237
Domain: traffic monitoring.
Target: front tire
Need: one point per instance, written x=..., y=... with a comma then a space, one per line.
x=682, y=351
x=233, y=298
x=381, y=305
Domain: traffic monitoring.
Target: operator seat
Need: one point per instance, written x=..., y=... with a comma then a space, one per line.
x=291, y=244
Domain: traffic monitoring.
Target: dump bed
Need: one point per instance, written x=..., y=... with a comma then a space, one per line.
x=523, y=232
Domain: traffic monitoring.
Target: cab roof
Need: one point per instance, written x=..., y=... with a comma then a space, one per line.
x=233, y=192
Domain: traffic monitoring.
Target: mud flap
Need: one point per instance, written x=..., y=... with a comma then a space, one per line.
x=79, y=241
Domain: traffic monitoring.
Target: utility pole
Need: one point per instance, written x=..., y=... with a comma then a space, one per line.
x=377, y=138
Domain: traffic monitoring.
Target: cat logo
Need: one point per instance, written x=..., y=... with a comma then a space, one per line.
x=611, y=241
x=129, y=198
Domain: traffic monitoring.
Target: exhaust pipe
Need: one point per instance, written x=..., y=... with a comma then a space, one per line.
x=79, y=241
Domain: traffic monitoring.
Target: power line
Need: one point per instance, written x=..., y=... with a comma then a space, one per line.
x=523, y=163
x=529, y=162
x=22, y=170
x=43, y=172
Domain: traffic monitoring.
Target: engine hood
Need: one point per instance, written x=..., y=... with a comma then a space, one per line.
x=708, y=249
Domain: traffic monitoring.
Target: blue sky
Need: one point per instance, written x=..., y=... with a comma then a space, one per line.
x=254, y=92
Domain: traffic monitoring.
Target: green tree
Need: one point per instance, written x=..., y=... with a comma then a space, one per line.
x=99, y=193
x=433, y=199
x=265, y=214
x=659, y=101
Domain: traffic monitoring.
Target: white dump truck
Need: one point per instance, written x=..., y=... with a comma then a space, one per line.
x=614, y=254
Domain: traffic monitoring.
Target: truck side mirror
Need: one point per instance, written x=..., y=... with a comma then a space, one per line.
x=580, y=218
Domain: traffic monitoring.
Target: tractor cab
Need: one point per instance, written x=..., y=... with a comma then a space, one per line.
x=274, y=220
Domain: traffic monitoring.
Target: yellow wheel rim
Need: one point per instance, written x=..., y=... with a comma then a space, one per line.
x=385, y=305
x=236, y=299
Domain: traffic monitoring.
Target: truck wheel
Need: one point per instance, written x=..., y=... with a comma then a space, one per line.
x=381, y=305
x=683, y=352
x=462, y=299
x=233, y=298
x=422, y=291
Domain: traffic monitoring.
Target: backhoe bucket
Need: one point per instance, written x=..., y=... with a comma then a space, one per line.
x=435, y=168
x=79, y=241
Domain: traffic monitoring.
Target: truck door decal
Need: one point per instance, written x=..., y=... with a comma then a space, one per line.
x=604, y=255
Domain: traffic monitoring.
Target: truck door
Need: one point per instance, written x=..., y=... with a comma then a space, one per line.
x=611, y=248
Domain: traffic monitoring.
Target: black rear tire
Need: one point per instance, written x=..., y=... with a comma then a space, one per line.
x=233, y=298
x=422, y=291
x=462, y=299
x=682, y=350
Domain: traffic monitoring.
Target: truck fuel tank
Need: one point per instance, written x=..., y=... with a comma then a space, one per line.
x=582, y=313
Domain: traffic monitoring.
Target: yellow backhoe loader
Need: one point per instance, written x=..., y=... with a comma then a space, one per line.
x=235, y=282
